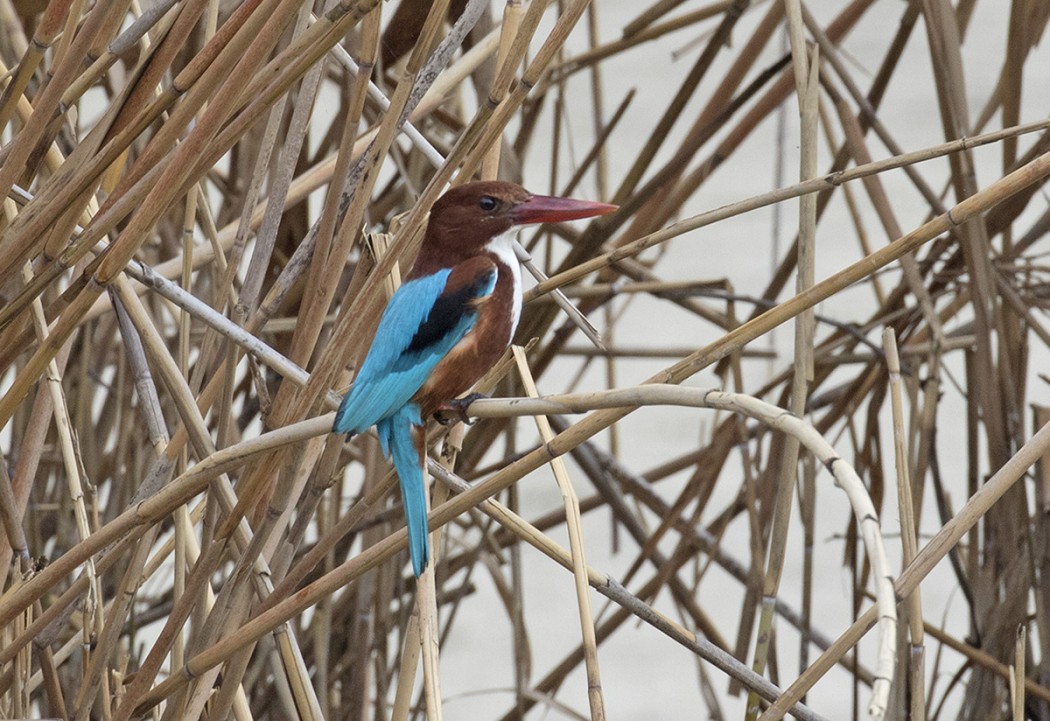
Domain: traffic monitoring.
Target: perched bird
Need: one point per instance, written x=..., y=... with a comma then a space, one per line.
x=447, y=324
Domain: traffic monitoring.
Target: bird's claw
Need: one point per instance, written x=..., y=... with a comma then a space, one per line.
x=455, y=410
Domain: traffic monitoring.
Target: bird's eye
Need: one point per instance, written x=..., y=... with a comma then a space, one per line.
x=487, y=203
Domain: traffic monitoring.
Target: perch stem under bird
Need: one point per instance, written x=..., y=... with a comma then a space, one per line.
x=446, y=326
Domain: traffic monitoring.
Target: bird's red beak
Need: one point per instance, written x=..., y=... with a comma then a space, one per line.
x=548, y=209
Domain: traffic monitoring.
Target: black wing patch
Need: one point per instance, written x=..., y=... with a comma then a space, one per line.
x=449, y=309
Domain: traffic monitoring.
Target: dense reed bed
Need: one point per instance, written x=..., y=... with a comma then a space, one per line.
x=814, y=401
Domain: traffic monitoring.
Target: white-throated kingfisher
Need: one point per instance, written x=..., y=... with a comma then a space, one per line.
x=447, y=324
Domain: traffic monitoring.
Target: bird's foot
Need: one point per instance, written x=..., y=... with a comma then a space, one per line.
x=455, y=410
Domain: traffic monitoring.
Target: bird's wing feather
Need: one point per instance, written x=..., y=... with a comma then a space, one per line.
x=424, y=319
x=466, y=284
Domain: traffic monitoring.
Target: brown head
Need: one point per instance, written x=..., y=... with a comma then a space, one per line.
x=466, y=218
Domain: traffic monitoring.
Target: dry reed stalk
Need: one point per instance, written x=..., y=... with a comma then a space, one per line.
x=579, y=562
x=1018, y=676
x=935, y=549
x=807, y=74
x=631, y=39
x=913, y=603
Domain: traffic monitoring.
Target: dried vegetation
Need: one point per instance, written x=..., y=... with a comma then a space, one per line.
x=205, y=204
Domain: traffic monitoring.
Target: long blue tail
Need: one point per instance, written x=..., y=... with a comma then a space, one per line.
x=395, y=436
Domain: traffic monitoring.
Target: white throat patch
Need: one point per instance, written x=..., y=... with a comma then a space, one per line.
x=502, y=246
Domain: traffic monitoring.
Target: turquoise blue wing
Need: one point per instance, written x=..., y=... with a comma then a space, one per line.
x=424, y=319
